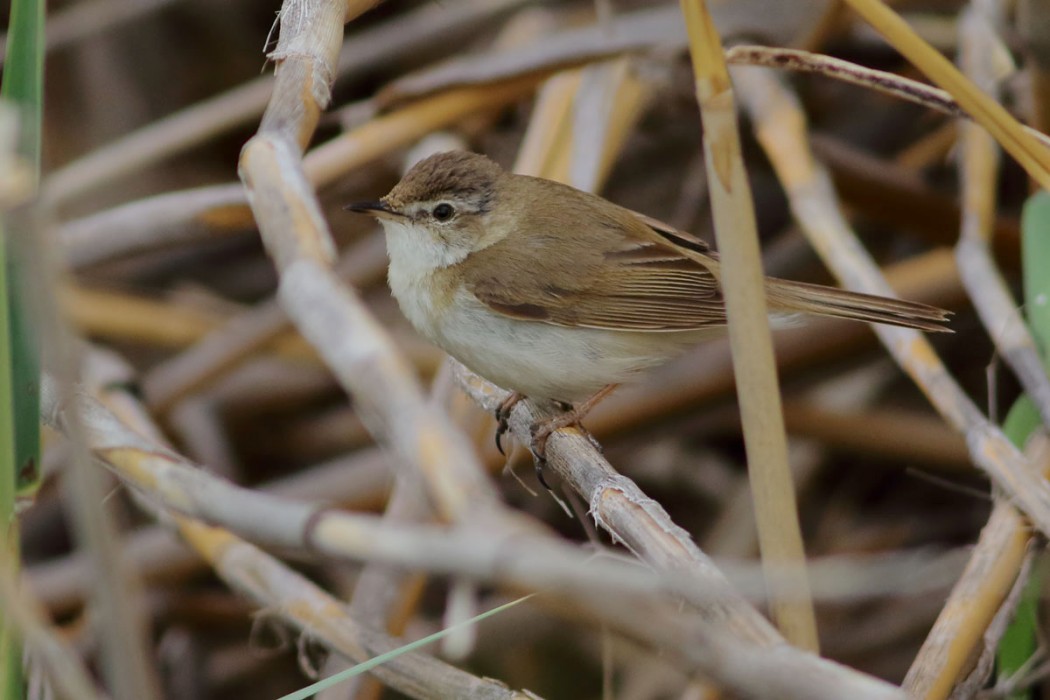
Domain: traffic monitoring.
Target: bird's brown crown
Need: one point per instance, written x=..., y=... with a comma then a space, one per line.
x=458, y=175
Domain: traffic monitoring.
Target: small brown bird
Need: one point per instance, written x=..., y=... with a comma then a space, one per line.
x=559, y=294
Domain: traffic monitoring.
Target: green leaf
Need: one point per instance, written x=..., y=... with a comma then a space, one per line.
x=23, y=85
x=1035, y=258
x=23, y=81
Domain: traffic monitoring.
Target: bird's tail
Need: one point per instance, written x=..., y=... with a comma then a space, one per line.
x=799, y=297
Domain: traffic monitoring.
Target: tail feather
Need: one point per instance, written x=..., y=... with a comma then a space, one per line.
x=800, y=297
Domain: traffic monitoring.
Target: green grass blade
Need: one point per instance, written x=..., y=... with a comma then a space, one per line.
x=10, y=652
x=23, y=80
x=23, y=75
x=325, y=683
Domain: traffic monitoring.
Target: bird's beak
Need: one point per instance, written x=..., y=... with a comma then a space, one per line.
x=379, y=209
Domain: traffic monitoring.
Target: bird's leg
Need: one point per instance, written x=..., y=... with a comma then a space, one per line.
x=503, y=416
x=542, y=429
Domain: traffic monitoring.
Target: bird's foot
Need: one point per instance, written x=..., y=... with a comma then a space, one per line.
x=541, y=430
x=503, y=418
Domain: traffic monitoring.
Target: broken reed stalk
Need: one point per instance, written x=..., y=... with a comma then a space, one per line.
x=776, y=511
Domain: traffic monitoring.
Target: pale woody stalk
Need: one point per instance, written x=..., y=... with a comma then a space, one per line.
x=779, y=533
x=554, y=147
x=248, y=569
x=330, y=315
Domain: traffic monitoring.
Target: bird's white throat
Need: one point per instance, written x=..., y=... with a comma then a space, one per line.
x=416, y=250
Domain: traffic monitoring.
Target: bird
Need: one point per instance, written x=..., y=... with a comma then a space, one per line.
x=560, y=295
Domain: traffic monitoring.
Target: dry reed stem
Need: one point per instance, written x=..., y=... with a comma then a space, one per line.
x=981, y=591
x=590, y=586
x=896, y=197
x=360, y=481
x=228, y=345
x=170, y=219
x=68, y=25
x=549, y=125
x=838, y=69
x=781, y=129
x=1020, y=144
x=930, y=149
x=317, y=615
x=639, y=32
x=950, y=647
x=68, y=677
x=631, y=517
x=948, y=650
x=123, y=628
x=779, y=533
x=987, y=652
x=1031, y=24
x=408, y=124
x=125, y=317
x=880, y=81
x=979, y=166
x=275, y=586
x=116, y=593
x=611, y=99
x=916, y=437
x=385, y=597
x=363, y=358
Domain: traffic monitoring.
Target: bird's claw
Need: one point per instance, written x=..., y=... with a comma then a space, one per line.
x=503, y=418
x=502, y=426
x=539, y=432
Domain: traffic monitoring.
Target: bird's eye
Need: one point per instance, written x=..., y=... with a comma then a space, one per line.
x=443, y=211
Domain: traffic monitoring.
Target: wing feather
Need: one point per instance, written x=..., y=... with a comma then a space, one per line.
x=626, y=275
x=634, y=273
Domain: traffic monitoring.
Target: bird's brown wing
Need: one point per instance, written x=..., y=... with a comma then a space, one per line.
x=622, y=276
x=633, y=273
